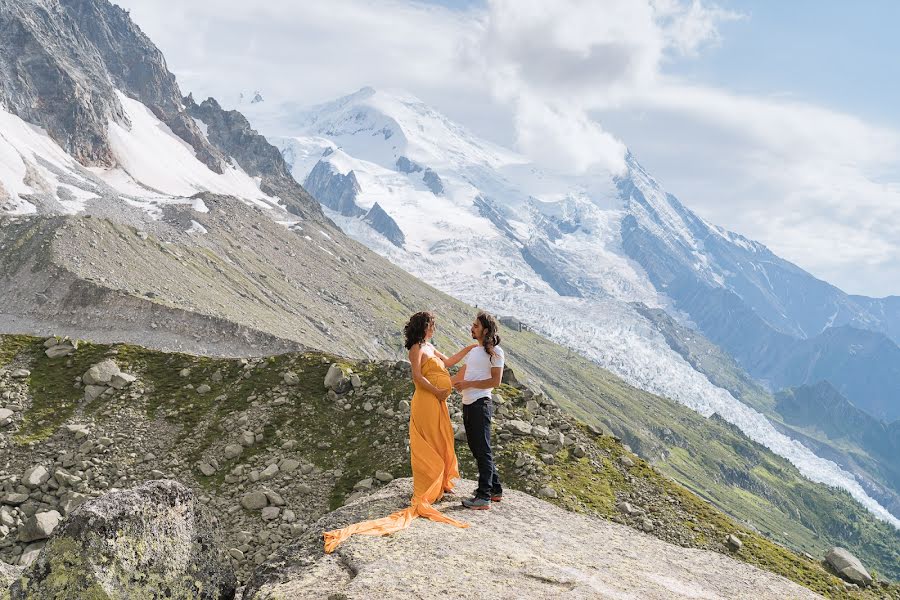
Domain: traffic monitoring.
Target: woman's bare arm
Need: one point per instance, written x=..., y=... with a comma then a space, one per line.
x=449, y=362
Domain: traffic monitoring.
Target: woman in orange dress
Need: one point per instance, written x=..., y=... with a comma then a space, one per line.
x=431, y=449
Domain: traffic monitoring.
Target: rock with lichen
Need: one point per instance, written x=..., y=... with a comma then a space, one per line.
x=152, y=541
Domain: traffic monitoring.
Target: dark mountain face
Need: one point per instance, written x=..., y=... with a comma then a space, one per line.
x=51, y=77
x=61, y=63
x=819, y=407
x=230, y=132
x=784, y=326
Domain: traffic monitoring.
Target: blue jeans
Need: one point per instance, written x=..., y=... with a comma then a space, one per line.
x=477, y=421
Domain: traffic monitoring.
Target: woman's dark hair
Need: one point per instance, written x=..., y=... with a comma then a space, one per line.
x=491, y=339
x=416, y=327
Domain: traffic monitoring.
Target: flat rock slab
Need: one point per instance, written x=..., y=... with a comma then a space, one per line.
x=522, y=547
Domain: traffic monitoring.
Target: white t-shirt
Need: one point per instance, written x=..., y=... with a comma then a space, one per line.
x=478, y=367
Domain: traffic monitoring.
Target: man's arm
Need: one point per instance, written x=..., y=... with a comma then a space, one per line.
x=494, y=381
x=460, y=375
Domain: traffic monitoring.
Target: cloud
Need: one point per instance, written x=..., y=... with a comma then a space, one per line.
x=553, y=62
x=570, y=83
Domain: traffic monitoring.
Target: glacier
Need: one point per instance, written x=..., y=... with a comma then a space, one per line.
x=513, y=238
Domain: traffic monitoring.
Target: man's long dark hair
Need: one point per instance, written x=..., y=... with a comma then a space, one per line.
x=491, y=338
x=416, y=327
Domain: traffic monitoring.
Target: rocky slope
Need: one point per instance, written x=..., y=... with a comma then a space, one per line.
x=269, y=450
x=260, y=272
x=572, y=255
x=522, y=548
x=817, y=416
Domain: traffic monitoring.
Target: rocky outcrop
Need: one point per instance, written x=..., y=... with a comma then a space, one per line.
x=522, y=548
x=404, y=165
x=230, y=132
x=384, y=224
x=333, y=189
x=433, y=181
x=152, y=541
x=138, y=68
x=62, y=63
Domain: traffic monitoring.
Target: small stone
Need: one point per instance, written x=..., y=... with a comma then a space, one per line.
x=548, y=458
x=355, y=381
x=39, y=526
x=59, y=350
x=518, y=427
x=120, y=381
x=333, y=376
x=626, y=461
x=579, y=452
x=207, y=469
x=248, y=438
x=383, y=476
x=236, y=554
x=254, y=500
x=92, y=392
x=274, y=497
x=290, y=378
x=233, y=451
x=36, y=476
x=368, y=407
x=70, y=501
x=20, y=373
x=30, y=554
x=733, y=542
x=364, y=485
x=540, y=432
x=547, y=492
x=101, y=373
x=185, y=372
x=270, y=513
x=14, y=499
x=269, y=472
x=288, y=465
x=203, y=388
x=627, y=508
x=646, y=525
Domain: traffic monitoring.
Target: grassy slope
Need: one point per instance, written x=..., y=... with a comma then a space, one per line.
x=363, y=441
x=724, y=372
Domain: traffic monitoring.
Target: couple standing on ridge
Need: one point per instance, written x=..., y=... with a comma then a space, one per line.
x=431, y=448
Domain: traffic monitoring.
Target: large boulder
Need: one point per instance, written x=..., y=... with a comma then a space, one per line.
x=535, y=550
x=152, y=541
x=848, y=566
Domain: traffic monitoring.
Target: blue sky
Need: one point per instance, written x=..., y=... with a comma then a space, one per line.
x=773, y=119
x=839, y=54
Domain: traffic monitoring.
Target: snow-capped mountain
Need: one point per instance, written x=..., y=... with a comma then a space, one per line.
x=486, y=225
x=89, y=112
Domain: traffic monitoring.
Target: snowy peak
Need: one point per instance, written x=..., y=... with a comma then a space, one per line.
x=387, y=125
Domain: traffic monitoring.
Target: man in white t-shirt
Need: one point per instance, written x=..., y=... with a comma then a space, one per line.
x=481, y=373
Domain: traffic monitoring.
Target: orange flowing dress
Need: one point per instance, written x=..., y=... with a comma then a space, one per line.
x=433, y=460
